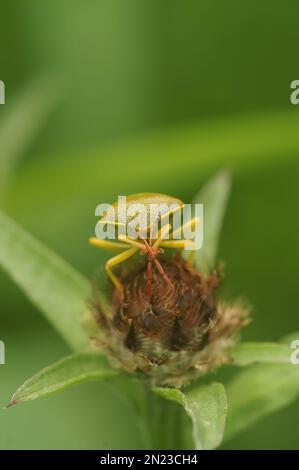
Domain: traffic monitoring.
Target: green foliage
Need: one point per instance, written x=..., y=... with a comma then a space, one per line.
x=264, y=388
x=129, y=89
x=243, y=142
x=21, y=124
x=258, y=391
x=206, y=405
x=49, y=282
x=249, y=353
x=60, y=292
x=69, y=371
x=214, y=197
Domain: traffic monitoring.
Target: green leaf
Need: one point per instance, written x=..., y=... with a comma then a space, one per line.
x=206, y=405
x=57, y=289
x=22, y=122
x=69, y=371
x=261, y=389
x=258, y=391
x=249, y=353
x=214, y=196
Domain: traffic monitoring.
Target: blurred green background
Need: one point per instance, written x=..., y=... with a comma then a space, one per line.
x=116, y=97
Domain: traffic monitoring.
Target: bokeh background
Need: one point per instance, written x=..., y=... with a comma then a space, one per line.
x=117, y=97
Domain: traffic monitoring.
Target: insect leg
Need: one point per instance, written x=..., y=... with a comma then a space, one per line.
x=192, y=223
x=163, y=233
x=118, y=259
x=107, y=244
x=131, y=241
x=180, y=244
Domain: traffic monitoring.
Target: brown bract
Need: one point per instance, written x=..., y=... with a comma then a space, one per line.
x=178, y=333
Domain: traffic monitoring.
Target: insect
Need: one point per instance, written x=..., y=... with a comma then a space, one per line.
x=150, y=242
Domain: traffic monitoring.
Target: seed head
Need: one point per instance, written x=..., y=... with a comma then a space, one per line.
x=180, y=332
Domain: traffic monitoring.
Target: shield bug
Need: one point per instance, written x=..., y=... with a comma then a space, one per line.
x=146, y=223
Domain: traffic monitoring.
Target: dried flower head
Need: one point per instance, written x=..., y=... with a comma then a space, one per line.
x=177, y=334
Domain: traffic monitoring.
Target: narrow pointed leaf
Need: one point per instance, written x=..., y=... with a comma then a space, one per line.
x=57, y=289
x=214, y=196
x=249, y=353
x=21, y=124
x=65, y=373
x=206, y=406
x=258, y=391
